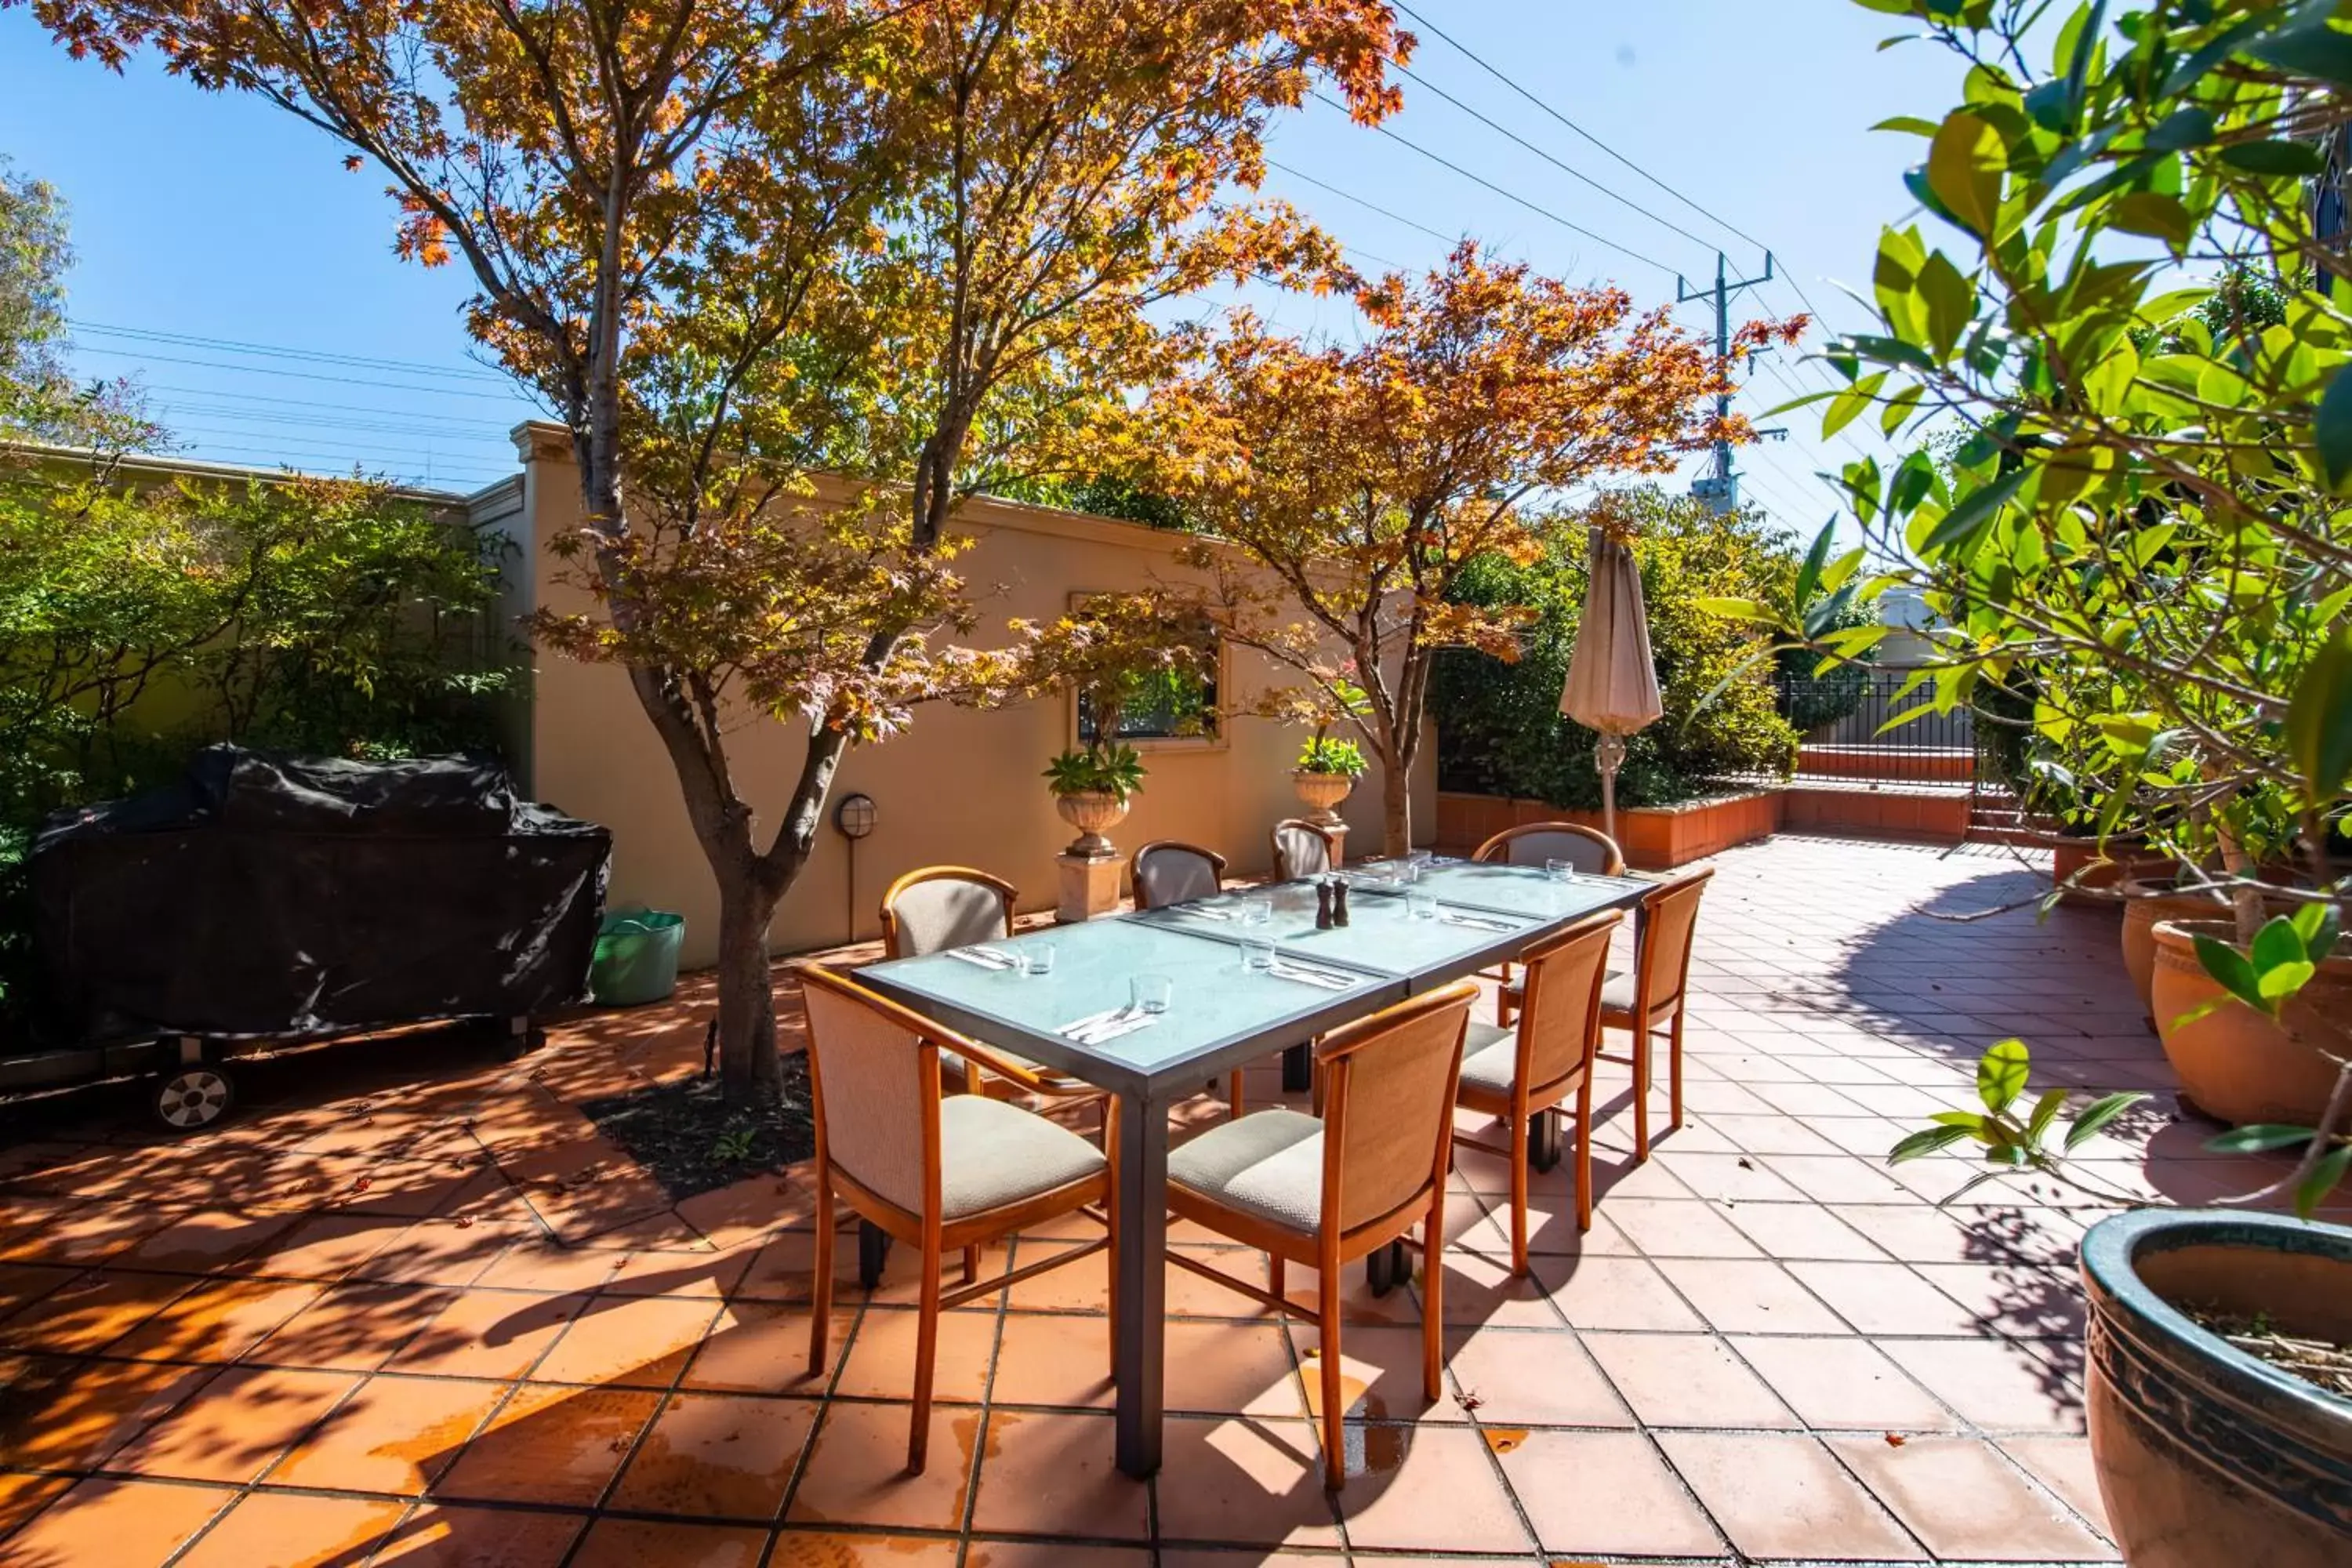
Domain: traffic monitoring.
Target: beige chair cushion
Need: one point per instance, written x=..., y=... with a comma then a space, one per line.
x=993, y=1155
x=1617, y=992
x=1490, y=1055
x=1268, y=1165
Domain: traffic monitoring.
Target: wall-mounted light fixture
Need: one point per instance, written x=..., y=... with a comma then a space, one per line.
x=854, y=816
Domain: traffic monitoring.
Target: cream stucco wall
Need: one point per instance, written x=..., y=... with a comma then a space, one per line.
x=958, y=787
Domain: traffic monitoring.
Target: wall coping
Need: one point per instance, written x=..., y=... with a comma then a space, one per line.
x=166, y=466
x=1680, y=808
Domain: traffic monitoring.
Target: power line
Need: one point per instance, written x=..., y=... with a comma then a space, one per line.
x=511, y=400
x=330, y=444
x=1368, y=206
x=275, y=351
x=1540, y=211
x=1460, y=48
x=176, y=408
x=305, y=459
x=1572, y=173
x=490, y=427
x=1795, y=390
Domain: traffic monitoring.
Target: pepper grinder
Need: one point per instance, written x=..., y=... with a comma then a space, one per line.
x=1322, y=906
x=1338, y=901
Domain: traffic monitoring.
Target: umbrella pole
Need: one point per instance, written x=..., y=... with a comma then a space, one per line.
x=1611, y=756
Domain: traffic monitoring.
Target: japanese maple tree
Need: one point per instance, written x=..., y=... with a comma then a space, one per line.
x=1359, y=480
x=726, y=244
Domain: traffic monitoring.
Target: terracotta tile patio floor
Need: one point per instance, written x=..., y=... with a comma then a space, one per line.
x=410, y=1308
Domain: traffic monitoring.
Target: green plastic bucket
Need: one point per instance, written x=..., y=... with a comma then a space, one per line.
x=636, y=958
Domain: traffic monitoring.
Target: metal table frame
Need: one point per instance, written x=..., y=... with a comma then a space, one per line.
x=1145, y=1095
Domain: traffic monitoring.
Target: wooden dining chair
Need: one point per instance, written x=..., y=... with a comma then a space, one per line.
x=1167, y=872
x=1302, y=849
x=1530, y=1070
x=937, y=1173
x=1591, y=851
x=1654, y=993
x=935, y=908
x=1327, y=1192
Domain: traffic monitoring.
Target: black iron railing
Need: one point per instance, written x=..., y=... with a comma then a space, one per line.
x=1847, y=728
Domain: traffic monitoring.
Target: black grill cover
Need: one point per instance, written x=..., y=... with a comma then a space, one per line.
x=287, y=895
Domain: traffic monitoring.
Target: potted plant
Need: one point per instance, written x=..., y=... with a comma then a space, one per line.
x=1327, y=772
x=1113, y=650
x=2219, y=1389
x=1091, y=787
x=2121, y=355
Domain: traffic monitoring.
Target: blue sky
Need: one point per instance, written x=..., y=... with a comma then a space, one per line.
x=232, y=229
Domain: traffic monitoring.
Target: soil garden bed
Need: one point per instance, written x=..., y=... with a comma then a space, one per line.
x=685, y=1135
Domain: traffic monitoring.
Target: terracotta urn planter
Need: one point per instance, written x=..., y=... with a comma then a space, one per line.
x=1091, y=811
x=2233, y=1063
x=2207, y=1455
x=1322, y=792
x=2143, y=908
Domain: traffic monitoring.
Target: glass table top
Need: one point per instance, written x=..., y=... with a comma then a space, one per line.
x=1381, y=936
x=1216, y=1002
x=1513, y=890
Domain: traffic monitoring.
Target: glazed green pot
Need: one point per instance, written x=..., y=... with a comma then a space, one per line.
x=2206, y=1455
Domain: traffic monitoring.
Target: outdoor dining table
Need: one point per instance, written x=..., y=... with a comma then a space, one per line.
x=1222, y=1015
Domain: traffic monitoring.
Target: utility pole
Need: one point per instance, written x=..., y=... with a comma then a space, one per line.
x=1720, y=490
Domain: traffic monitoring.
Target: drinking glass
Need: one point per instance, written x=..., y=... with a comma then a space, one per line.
x=1420, y=859
x=1152, y=993
x=1037, y=957
x=1561, y=870
x=1258, y=911
x=1421, y=906
x=1257, y=953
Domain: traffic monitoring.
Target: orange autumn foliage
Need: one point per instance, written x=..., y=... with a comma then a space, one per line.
x=917, y=241
x=1359, y=480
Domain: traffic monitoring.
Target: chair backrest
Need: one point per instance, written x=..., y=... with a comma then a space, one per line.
x=1669, y=915
x=1387, y=1105
x=1168, y=872
x=1593, y=853
x=874, y=1076
x=940, y=907
x=1560, y=1017
x=1301, y=849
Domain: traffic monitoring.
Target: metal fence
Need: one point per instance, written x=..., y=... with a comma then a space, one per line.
x=1843, y=722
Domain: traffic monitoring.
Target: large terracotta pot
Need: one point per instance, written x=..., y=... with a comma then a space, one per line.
x=2143, y=908
x=1091, y=811
x=2235, y=1064
x=1322, y=792
x=2097, y=876
x=2207, y=1456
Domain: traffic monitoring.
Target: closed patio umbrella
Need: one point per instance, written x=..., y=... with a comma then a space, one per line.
x=1611, y=685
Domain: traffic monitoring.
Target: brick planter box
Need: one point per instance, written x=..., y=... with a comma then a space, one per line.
x=1655, y=837
x=1886, y=763
x=1878, y=812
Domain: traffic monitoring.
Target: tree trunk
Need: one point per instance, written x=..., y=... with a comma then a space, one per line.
x=747, y=1066
x=1396, y=807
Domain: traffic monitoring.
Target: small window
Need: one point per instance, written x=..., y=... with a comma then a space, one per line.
x=1159, y=705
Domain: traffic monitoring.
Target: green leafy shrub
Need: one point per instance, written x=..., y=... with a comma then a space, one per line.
x=1500, y=731
x=1096, y=769
x=138, y=625
x=311, y=614
x=1323, y=755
